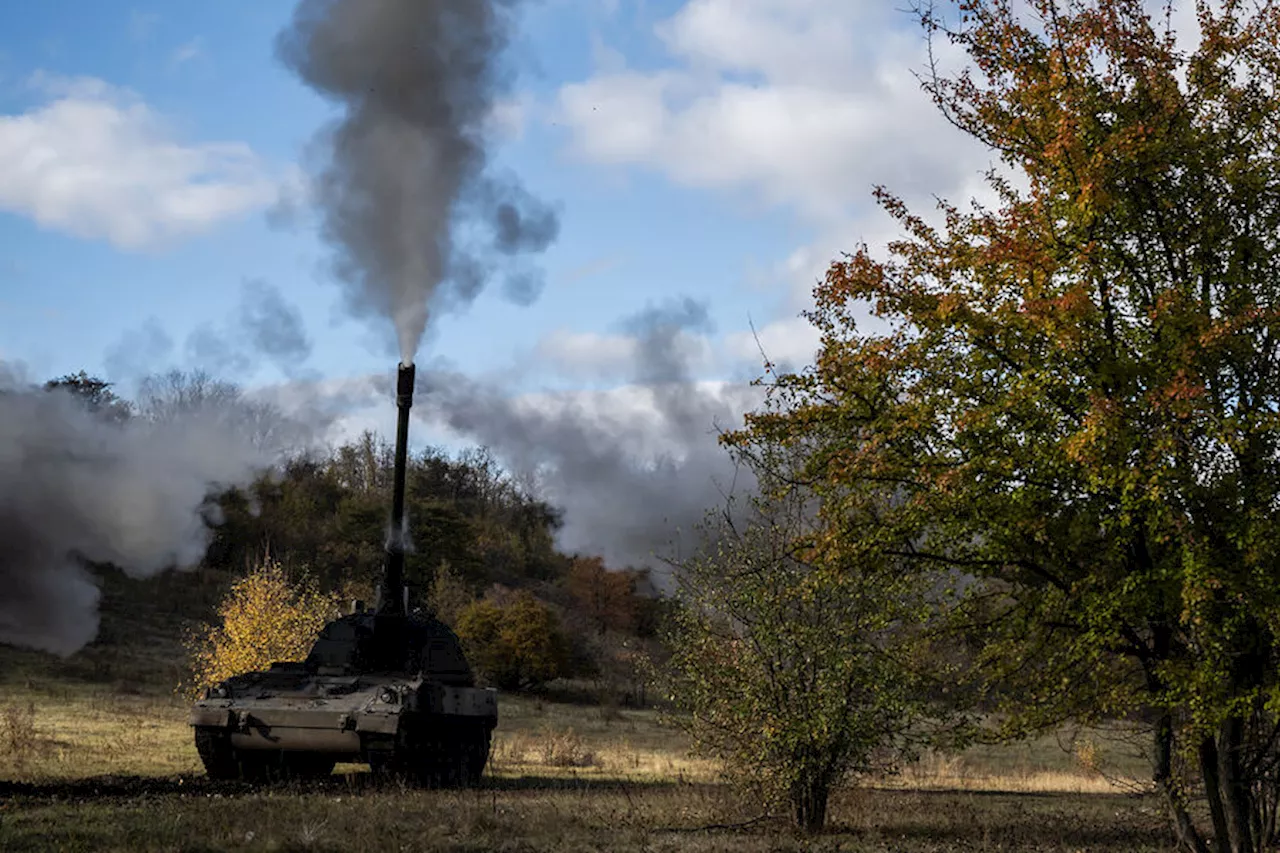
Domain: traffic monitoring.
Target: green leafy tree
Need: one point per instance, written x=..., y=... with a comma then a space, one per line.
x=95, y=393
x=796, y=671
x=1075, y=392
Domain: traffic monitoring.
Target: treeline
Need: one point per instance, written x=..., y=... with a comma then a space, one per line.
x=483, y=543
x=330, y=512
x=483, y=559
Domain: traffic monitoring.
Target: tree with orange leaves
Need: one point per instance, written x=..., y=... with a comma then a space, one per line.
x=1076, y=402
x=607, y=598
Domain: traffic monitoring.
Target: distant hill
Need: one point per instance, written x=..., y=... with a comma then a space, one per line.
x=139, y=644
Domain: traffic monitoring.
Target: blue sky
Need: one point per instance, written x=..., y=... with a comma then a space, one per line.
x=719, y=149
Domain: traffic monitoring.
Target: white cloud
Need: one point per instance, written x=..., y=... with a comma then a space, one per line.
x=95, y=161
x=788, y=343
x=582, y=353
x=802, y=105
x=805, y=104
x=589, y=355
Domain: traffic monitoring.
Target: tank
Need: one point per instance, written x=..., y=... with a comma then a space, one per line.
x=386, y=687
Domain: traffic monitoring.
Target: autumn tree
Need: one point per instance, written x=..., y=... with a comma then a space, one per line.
x=517, y=643
x=266, y=616
x=606, y=598
x=797, y=669
x=1075, y=390
x=449, y=594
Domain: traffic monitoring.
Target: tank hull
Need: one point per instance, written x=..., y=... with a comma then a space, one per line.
x=286, y=724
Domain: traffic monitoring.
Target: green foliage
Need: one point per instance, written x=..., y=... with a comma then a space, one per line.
x=1073, y=394
x=794, y=666
x=330, y=513
x=517, y=644
x=95, y=393
x=471, y=523
x=449, y=594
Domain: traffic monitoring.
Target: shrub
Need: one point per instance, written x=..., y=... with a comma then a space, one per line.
x=516, y=645
x=449, y=594
x=20, y=740
x=566, y=749
x=264, y=617
x=795, y=670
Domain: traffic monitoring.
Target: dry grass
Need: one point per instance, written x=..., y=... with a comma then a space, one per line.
x=534, y=736
x=22, y=743
x=119, y=772
x=943, y=772
x=536, y=816
x=83, y=732
x=95, y=754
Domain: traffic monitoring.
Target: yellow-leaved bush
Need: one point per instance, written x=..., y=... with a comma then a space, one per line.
x=264, y=617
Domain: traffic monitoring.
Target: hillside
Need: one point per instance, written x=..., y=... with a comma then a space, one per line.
x=138, y=650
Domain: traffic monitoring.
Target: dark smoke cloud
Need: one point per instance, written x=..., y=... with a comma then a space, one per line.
x=75, y=487
x=632, y=487
x=415, y=222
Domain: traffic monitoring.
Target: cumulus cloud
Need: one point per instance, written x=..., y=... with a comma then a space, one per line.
x=805, y=104
x=798, y=105
x=96, y=161
x=788, y=344
x=592, y=355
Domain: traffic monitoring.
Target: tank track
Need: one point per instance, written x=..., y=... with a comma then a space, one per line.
x=217, y=754
x=224, y=762
x=437, y=756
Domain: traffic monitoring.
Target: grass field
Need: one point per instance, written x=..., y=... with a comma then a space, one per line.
x=95, y=754
x=537, y=814
x=88, y=768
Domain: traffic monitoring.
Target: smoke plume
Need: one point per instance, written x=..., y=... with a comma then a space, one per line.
x=262, y=325
x=77, y=487
x=633, y=472
x=414, y=220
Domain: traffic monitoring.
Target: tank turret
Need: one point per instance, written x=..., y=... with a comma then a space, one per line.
x=386, y=687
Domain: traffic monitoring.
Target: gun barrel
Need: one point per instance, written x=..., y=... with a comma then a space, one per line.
x=392, y=598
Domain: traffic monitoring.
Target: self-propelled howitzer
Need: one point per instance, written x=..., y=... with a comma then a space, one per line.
x=387, y=687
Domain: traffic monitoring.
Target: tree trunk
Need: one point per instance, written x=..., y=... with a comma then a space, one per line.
x=809, y=803
x=1237, y=800
x=1188, y=836
x=1213, y=791
x=1189, y=839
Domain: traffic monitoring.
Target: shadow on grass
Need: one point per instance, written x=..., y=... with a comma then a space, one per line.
x=584, y=783
x=1012, y=820
x=133, y=787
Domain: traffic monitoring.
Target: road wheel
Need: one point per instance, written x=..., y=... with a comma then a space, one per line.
x=476, y=756
x=217, y=754
x=260, y=765
x=308, y=765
